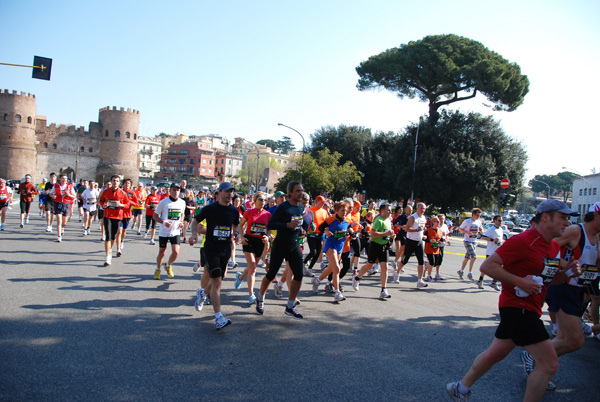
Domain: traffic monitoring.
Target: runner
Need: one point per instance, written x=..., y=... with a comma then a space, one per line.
x=494, y=235
x=49, y=203
x=415, y=226
x=6, y=195
x=470, y=227
x=127, y=214
x=525, y=264
x=566, y=300
x=445, y=241
x=113, y=200
x=255, y=238
x=42, y=197
x=433, y=239
x=90, y=201
x=336, y=230
x=287, y=220
x=190, y=206
x=81, y=187
x=400, y=223
x=169, y=214
x=318, y=214
x=222, y=223
x=381, y=234
x=355, y=237
x=137, y=210
x=26, y=191
x=151, y=203
x=63, y=195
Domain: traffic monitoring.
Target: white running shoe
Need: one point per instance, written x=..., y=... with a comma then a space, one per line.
x=460, y=273
x=108, y=260
x=396, y=277
x=196, y=267
x=339, y=296
x=145, y=235
x=428, y=278
x=470, y=276
x=152, y=242
x=384, y=294
x=278, y=290
x=200, y=299
x=438, y=277
x=315, y=285
x=49, y=229
x=421, y=284
x=323, y=265
x=480, y=284
x=59, y=239
x=355, y=283
x=222, y=322
x=393, y=264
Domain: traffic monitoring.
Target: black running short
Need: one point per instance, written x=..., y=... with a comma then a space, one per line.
x=216, y=265
x=377, y=252
x=567, y=298
x=522, y=326
x=162, y=241
x=255, y=246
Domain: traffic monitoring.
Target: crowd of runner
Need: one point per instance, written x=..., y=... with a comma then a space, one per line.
x=554, y=262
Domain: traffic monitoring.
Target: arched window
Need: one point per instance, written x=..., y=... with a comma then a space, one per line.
x=29, y=120
x=134, y=136
x=91, y=149
x=106, y=133
x=5, y=116
x=45, y=145
x=127, y=135
x=18, y=118
x=117, y=134
x=53, y=146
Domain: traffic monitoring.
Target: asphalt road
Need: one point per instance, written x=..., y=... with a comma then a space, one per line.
x=71, y=329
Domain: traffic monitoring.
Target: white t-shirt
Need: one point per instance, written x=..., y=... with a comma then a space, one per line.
x=445, y=233
x=493, y=233
x=419, y=223
x=473, y=226
x=173, y=211
x=90, y=198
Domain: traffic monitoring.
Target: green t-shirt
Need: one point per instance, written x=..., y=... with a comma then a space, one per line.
x=381, y=224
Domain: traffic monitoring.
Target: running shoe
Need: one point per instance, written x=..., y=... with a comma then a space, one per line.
x=329, y=288
x=323, y=265
x=48, y=229
x=145, y=235
x=384, y=294
x=278, y=290
x=238, y=280
x=200, y=298
x=84, y=232
x=393, y=264
x=528, y=362
x=480, y=284
x=21, y=226
x=551, y=386
x=169, y=270
x=292, y=312
x=308, y=272
x=103, y=238
x=261, y=264
x=222, y=322
x=396, y=277
x=460, y=273
x=554, y=332
x=428, y=278
x=438, y=277
x=456, y=396
x=494, y=285
x=470, y=276
x=108, y=260
x=251, y=299
x=355, y=283
x=339, y=296
x=235, y=265
x=421, y=284
x=260, y=307
x=196, y=267
x=119, y=253
x=139, y=233
x=157, y=274
x=152, y=242
x=587, y=330
x=59, y=239
x=27, y=221
x=315, y=285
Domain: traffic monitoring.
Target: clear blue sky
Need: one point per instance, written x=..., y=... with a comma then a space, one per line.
x=237, y=68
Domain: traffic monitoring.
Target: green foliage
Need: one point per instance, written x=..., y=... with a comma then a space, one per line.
x=325, y=173
x=255, y=168
x=269, y=143
x=560, y=184
x=443, y=69
x=285, y=145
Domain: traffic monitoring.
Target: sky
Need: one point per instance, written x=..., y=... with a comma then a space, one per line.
x=237, y=68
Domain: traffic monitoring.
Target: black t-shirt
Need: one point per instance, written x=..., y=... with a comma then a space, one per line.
x=219, y=221
x=401, y=220
x=283, y=214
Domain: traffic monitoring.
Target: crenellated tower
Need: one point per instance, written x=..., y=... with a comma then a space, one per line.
x=119, y=143
x=17, y=134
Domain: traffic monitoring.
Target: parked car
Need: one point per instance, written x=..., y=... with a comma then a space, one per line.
x=509, y=224
x=505, y=231
x=517, y=230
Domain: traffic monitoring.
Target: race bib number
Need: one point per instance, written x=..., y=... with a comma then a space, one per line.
x=435, y=244
x=301, y=239
x=551, y=267
x=589, y=275
x=340, y=234
x=298, y=218
x=222, y=232
x=3, y=196
x=112, y=204
x=91, y=201
x=259, y=229
x=174, y=214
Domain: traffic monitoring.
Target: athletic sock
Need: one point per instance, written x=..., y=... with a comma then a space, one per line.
x=462, y=389
x=218, y=315
x=291, y=303
x=260, y=297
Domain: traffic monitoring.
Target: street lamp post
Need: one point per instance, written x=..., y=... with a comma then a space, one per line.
x=303, y=147
x=539, y=181
x=412, y=185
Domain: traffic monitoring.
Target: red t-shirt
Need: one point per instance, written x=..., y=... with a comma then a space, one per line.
x=257, y=222
x=434, y=236
x=151, y=203
x=111, y=197
x=526, y=254
x=27, y=191
x=133, y=201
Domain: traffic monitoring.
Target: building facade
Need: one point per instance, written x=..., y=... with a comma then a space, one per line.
x=189, y=160
x=585, y=193
x=150, y=151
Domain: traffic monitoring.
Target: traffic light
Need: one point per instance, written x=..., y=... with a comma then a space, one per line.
x=502, y=200
x=509, y=199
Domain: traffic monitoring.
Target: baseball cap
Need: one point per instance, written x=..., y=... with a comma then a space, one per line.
x=225, y=186
x=153, y=188
x=2, y=181
x=320, y=198
x=595, y=207
x=555, y=205
x=357, y=204
x=278, y=194
x=175, y=185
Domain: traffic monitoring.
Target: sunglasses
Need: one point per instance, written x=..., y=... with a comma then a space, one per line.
x=260, y=199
